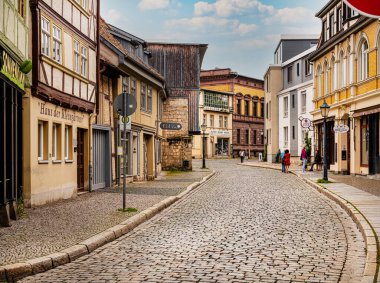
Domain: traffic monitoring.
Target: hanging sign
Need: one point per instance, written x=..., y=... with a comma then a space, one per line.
x=306, y=123
x=341, y=129
x=171, y=126
x=369, y=8
x=11, y=69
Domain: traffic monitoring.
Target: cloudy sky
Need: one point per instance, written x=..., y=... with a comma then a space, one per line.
x=242, y=34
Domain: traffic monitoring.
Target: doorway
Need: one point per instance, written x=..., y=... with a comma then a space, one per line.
x=80, y=159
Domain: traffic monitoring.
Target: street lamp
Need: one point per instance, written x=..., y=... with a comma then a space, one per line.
x=325, y=109
x=204, y=128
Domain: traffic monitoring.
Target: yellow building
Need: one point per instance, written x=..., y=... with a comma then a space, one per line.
x=248, y=108
x=347, y=76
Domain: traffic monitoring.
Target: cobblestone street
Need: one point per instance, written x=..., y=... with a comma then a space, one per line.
x=244, y=225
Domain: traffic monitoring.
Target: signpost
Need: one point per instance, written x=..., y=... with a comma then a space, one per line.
x=125, y=105
x=171, y=126
x=369, y=8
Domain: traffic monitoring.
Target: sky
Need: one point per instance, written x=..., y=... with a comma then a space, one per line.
x=241, y=34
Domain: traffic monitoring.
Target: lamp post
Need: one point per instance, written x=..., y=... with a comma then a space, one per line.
x=204, y=128
x=325, y=108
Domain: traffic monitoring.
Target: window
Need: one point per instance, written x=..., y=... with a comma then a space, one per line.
x=225, y=122
x=324, y=30
x=246, y=110
x=293, y=132
x=290, y=74
x=76, y=57
x=363, y=61
x=286, y=138
x=160, y=107
x=293, y=101
x=57, y=44
x=68, y=143
x=286, y=107
x=298, y=69
x=254, y=137
x=319, y=77
x=211, y=121
x=270, y=109
x=341, y=70
x=364, y=141
x=267, y=110
x=42, y=140
x=246, y=136
x=45, y=38
x=84, y=4
x=326, y=81
x=220, y=121
x=307, y=68
x=339, y=17
x=254, y=112
x=143, y=97
x=125, y=84
x=204, y=119
x=238, y=106
x=21, y=8
x=56, y=142
x=303, y=101
x=84, y=62
x=133, y=86
x=347, y=67
x=332, y=74
x=238, y=136
x=262, y=137
x=262, y=109
x=150, y=99
x=216, y=101
x=331, y=31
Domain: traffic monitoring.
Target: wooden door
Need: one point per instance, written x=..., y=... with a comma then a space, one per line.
x=80, y=159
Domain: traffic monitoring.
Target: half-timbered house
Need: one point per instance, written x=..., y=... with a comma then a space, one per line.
x=59, y=111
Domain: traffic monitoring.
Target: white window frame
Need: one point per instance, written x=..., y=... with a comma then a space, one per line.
x=319, y=77
x=326, y=81
x=286, y=137
x=83, y=61
x=40, y=140
x=57, y=44
x=149, y=99
x=220, y=121
x=54, y=142
x=77, y=61
x=303, y=102
x=67, y=136
x=286, y=106
x=364, y=61
x=45, y=36
x=225, y=122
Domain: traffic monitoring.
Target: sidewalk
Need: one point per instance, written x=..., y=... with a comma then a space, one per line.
x=52, y=228
x=363, y=206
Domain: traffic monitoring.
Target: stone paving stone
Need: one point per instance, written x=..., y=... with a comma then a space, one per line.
x=244, y=225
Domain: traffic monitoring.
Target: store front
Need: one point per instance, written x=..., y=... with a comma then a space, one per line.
x=11, y=153
x=330, y=141
x=220, y=141
x=222, y=147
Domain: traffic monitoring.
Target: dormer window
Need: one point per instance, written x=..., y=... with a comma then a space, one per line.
x=331, y=31
x=339, y=17
x=324, y=30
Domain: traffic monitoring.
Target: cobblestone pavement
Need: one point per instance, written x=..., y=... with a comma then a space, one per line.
x=244, y=225
x=51, y=228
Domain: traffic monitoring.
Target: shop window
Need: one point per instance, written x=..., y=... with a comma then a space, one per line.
x=76, y=56
x=42, y=140
x=56, y=142
x=45, y=37
x=143, y=97
x=149, y=99
x=84, y=61
x=363, y=61
x=68, y=143
x=57, y=44
x=364, y=137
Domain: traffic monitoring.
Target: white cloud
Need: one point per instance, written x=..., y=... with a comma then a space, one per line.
x=291, y=16
x=254, y=43
x=153, y=4
x=201, y=8
x=113, y=15
x=243, y=29
x=200, y=23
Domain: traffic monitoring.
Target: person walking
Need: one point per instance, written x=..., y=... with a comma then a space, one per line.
x=242, y=155
x=287, y=161
x=304, y=159
x=282, y=161
x=317, y=160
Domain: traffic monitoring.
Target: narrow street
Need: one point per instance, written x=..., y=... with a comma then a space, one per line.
x=244, y=225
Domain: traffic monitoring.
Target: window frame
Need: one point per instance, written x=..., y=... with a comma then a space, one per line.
x=84, y=61
x=57, y=44
x=303, y=101
x=21, y=8
x=290, y=74
x=149, y=99
x=286, y=106
x=45, y=35
x=77, y=56
x=143, y=97
x=363, y=61
x=286, y=137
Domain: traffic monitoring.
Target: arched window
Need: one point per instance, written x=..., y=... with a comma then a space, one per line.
x=319, y=78
x=342, y=70
x=348, y=67
x=333, y=82
x=326, y=80
x=363, y=60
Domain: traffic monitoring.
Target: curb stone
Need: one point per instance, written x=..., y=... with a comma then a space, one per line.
x=17, y=271
x=370, y=274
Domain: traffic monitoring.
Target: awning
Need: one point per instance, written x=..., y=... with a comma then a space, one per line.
x=366, y=111
x=320, y=121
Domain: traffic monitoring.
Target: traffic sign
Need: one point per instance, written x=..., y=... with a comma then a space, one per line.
x=125, y=104
x=171, y=126
x=369, y=8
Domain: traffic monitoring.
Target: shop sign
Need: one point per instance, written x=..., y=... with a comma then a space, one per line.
x=369, y=8
x=11, y=70
x=341, y=129
x=220, y=133
x=61, y=113
x=128, y=120
x=306, y=123
x=171, y=126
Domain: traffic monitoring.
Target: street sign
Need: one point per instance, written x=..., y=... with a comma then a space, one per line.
x=305, y=123
x=171, y=126
x=369, y=8
x=125, y=99
x=127, y=120
x=341, y=129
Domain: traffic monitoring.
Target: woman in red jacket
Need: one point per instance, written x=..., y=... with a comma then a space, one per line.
x=287, y=161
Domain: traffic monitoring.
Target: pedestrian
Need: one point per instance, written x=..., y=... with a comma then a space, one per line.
x=282, y=161
x=304, y=159
x=242, y=155
x=317, y=160
x=287, y=160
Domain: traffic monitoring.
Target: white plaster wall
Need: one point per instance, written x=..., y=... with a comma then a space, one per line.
x=76, y=18
x=283, y=122
x=57, y=79
x=57, y=6
x=68, y=86
x=67, y=10
x=92, y=65
x=84, y=93
x=309, y=107
x=76, y=87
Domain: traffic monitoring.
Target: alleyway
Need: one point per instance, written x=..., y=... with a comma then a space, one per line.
x=244, y=225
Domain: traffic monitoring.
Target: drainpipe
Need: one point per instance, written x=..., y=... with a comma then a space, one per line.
x=90, y=172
